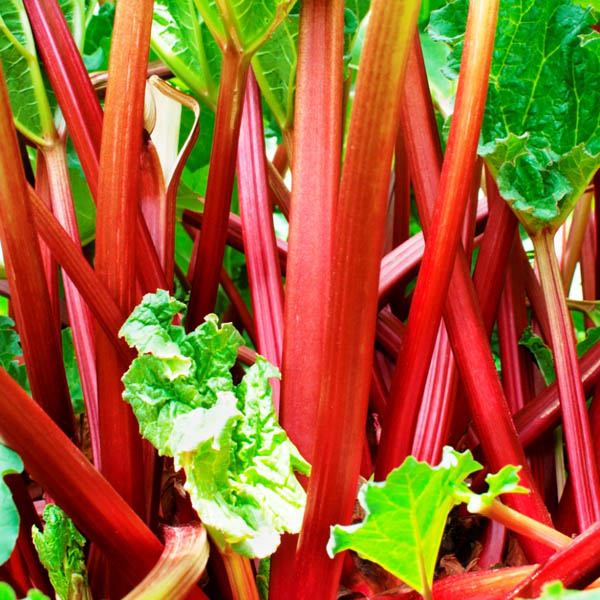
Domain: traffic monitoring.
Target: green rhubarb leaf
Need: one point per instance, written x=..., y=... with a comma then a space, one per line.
x=31, y=99
x=541, y=132
x=239, y=463
x=180, y=38
x=556, y=591
x=406, y=516
x=541, y=352
x=10, y=463
x=248, y=22
x=7, y=593
x=10, y=349
x=60, y=549
x=274, y=65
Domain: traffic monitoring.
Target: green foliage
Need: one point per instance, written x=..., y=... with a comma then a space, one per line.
x=10, y=463
x=7, y=593
x=72, y=372
x=60, y=549
x=541, y=135
x=10, y=348
x=541, y=352
x=181, y=40
x=239, y=462
x=31, y=100
x=98, y=36
x=406, y=514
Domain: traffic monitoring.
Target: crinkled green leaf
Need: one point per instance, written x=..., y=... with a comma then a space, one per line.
x=60, y=549
x=541, y=130
x=541, y=352
x=180, y=38
x=10, y=462
x=7, y=593
x=10, y=349
x=98, y=36
x=405, y=517
x=239, y=462
x=556, y=591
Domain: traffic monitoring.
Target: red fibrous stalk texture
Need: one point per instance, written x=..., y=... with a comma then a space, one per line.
x=80, y=316
x=70, y=257
x=82, y=112
x=576, y=565
x=73, y=483
x=29, y=293
x=357, y=244
x=316, y=171
x=115, y=248
x=576, y=426
x=210, y=245
x=264, y=274
x=443, y=239
x=463, y=319
x=493, y=255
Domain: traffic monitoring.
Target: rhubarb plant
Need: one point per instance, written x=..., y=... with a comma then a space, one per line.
x=238, y=461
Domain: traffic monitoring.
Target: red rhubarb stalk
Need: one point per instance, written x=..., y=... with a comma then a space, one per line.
x=316, y=170
x=209, y=247
x=443, y=238
x=264, y=274
x=25, y=272
x=357, y=244
x=580, y=450
x=116, y=220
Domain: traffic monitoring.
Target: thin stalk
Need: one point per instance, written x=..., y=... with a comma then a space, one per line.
x=74, y=484
x=240, y=576
x=578, y=439
x=80, y=317
x=25, y=272
x=519, y=523
x=264, y=275
x=597, y=220
x=238, y=303
x=443, y=238
x=494, y=252
x=588, y=261
x=572, y=254
x=115, y=248
x=209, y=247
x=574, y=565
x=357, y=244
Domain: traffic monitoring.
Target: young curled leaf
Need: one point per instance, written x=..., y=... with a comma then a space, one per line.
x=239, y=462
